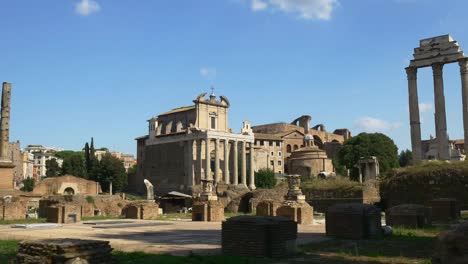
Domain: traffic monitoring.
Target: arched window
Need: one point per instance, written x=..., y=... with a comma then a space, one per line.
x=295, y=147
x=69, y=191
x=288, y=148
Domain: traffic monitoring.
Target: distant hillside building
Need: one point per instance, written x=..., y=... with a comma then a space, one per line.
x=430, y=149
x=41, y=154
x=190, y=143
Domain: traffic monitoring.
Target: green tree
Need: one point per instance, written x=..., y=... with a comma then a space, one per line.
x=110, y=169
x=366, y=145
x=53, y=168
x=67, y=153
x=265, y=178
x=28, y=185
x=87, y=158
x=74, y=165
x=405, y=158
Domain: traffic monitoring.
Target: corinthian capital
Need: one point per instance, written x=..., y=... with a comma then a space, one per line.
x=463, y=65
x=437, y=69
x=411, y=73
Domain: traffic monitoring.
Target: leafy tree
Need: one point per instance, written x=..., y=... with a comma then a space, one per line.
x=53, y=168
x=265, y=178
x=28, y=185
x=366, y=145
x=405, y=158
x=110, y=169
x=66, y=154
x=87, y=157
x=74, y=165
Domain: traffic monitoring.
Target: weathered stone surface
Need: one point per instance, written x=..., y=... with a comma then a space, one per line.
x=299, y=212
x=353, y=221
x=445, y=209
x=259, y=236
x=440, y=49
x=267, y=208
x=74, y=251
x=210, y=211
x=66, y=214
x=409, y=215
x=145, y=210
x=452, y=246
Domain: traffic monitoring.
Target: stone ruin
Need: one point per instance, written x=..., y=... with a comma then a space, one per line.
x=207, y=207
x=445, y=209
x=452, y=246
x=259, y=236
x=353, y=221
x=144, y=210
x=69, y=251
x=409, y=216
x=295, y=207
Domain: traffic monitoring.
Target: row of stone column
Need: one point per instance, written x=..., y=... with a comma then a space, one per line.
x=440, y=113
x=195, y=173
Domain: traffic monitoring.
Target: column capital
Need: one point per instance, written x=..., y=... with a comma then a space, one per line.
x=411, y=73
x=437, y=69
x=463, y=65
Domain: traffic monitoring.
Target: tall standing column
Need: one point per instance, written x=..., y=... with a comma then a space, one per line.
x=415, y=122
x=235, y=160
x=244, y=164
x=440, y=115
x=5, y=122
x=189, y=159
x=252, y=168
x=464, y=79
x=226, y=162
x=216, y=173
x=207, y=160
x=199, y=174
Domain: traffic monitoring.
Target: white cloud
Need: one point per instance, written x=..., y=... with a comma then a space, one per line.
x=258, y=5
x=425, y=107
x=306, y=9
x=370, y=124
x=87, y=7
x=208, y=73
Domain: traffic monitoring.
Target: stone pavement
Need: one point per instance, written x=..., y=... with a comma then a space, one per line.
x=171, y=237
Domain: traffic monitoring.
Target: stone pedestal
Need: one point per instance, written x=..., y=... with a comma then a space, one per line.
x=409, y=216
x=353, y=221
x=64, y=214
x=208, y=211
x=144, y=210
x=267, y=208
x=65, y=251
x=445, y=209
x=255, y=236
x=301, y=213
x=6, y=176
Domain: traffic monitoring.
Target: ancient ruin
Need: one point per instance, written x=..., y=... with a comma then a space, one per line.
x=6, y=165
x=207, y=207
x=409, y=216
x=436, y=52
x=295, y=207
x=353, y=221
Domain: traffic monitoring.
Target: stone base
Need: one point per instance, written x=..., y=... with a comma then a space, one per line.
x=6, y=176
x=445, y=209
x=144, y=210
x=259, y=236
x=409, y=216
x=353, y=221
x=267, y=208
x=208, y=211
x=65, y=251
x=66, y=214
x=301, y=213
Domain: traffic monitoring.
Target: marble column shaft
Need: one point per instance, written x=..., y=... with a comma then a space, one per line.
x=235, y=159
x=252, y=168
x=440, y=114
x=415, y=122
x=199, y=174
x=216, y=173
x=244, y=164
x=226, y=162
x=189, y=159
x=207, y=160
x=464, y=80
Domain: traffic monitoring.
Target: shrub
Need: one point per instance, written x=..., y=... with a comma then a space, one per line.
x=28, y=185
x=265, y=178
x=90, y=199
x=337, y=188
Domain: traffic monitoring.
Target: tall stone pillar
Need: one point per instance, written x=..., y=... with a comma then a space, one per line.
x=207, y=160
x=235, y=159
x=252, y=168
x=226, y=162
x=440, y=115
x=464, y=79
x=244, y=164
x=199, y=174
x=189, y=162
x=5, y=122
x=216, y=173
x=415, y=122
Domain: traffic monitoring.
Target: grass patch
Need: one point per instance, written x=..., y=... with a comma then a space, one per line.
x=405, y=246
x=23, y=221
x=171, y=216
x=8, y=249
x=100, y=217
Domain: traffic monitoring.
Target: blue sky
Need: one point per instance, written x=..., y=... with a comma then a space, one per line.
x=101, y=68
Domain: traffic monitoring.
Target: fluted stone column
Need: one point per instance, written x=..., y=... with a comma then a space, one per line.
x=207, y=160
x=226, y=162
x=415, y=122
x=244, y=164
x=440, y=115
x=189, y=162
x=199, y=174
x=464, y=79
x=252, y=168
x=235, y=160
x=5, y=122
x=216, y=160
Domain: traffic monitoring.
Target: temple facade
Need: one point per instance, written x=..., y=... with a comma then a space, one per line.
x=191, y=143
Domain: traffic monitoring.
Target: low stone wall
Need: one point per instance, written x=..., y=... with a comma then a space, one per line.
x=145, y=210
x=353, y=221
x=452, y=246
x=267, y=208
x=445, y=209
x=211, y=211
x=65, y=251
x=321, y=205
x=258, y=236
x=301, y=213
x=409, y=216
x=66, y=214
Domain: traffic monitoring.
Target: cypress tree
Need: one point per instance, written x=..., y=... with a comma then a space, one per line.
x=87, y=158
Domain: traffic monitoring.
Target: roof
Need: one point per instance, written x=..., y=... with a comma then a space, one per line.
x=267, y=136
x=174, y=193
x=179, y=110
x=142, y=137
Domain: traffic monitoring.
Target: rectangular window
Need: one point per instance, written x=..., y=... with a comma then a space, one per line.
x=279, y=153
x=272, y=153
x=271, y=143
x=272, y=162
x=261, y=143
x=213, y=122
x=279, y=162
